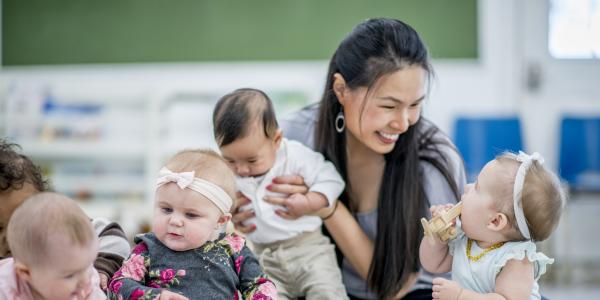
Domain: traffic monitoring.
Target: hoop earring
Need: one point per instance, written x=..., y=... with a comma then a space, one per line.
x=340, y=122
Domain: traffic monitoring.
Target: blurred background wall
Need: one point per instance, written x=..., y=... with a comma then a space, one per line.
x=101, y=92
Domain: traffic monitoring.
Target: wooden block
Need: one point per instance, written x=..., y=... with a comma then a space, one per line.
x=441, y=225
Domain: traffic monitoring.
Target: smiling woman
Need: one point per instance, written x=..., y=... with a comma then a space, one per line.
x=394, y=162
x=388, y=114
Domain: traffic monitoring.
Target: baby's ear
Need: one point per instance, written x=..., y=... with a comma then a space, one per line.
x=278, y=137
x=498, y=222
x=22, y=271
x=223, y=220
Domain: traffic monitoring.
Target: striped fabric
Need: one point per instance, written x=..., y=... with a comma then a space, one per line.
x=113, y=246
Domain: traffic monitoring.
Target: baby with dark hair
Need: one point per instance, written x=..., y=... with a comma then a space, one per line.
x=294, y=252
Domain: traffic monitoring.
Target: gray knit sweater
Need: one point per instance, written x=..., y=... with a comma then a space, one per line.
x=216, y=270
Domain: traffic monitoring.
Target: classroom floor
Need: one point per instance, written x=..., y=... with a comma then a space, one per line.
x=571, y=293
x=576, y=248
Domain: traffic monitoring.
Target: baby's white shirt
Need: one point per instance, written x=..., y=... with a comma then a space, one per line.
x=292, y=158
x=480, y=276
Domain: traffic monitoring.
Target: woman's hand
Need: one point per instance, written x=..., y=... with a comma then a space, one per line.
x=288, y=184
x=294, y=187
x=238, y=217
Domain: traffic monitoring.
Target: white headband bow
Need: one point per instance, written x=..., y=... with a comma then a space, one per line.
x=213, y=192
x=526, y=162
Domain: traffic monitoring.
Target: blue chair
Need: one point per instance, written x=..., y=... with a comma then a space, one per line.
x=481, y=139
x=579, y=161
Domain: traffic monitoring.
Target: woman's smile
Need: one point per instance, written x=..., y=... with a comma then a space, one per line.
x=387, y=138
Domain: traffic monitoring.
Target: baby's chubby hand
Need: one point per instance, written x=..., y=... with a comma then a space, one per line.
x=295, y=206
x=298, y=205
x=168, y=295
x=444, y=289
x=438, y=210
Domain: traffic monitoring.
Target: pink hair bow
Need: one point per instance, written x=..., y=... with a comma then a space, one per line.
x=183, y=179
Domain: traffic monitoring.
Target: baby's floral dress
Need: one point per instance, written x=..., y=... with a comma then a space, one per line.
x=220, y=269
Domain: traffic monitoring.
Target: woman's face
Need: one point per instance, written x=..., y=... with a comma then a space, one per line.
x=390, y=108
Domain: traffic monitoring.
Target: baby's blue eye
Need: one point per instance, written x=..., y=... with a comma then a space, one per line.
x=166, y=210
x=191, y=216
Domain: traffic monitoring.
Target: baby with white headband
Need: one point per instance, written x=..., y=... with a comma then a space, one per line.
x=515, y=202
x=187, y=254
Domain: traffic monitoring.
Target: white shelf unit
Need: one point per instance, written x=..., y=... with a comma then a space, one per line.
x=105, y=169
x=169, y=108
x=82, y=150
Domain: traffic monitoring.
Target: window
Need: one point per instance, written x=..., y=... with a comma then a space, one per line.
x=574, y=29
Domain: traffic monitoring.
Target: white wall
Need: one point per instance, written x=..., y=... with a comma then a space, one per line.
x=512, y=35
x=486, y=85
x=492, y=84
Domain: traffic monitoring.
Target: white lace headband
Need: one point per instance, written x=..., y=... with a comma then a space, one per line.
x=213, y=192
x=526, y=162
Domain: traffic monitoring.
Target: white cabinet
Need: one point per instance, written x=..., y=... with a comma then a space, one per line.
x=101, y=135
x=91, y=147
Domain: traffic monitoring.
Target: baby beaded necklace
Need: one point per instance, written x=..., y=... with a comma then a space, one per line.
x=484, y=252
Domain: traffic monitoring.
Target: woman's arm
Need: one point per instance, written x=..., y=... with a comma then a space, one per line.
x=350, y=239
x=354, y=243
x=342, y=226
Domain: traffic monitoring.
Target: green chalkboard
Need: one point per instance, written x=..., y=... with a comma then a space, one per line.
x=52, y=32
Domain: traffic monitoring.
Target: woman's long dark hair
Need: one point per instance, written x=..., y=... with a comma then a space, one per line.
x=375, y=48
